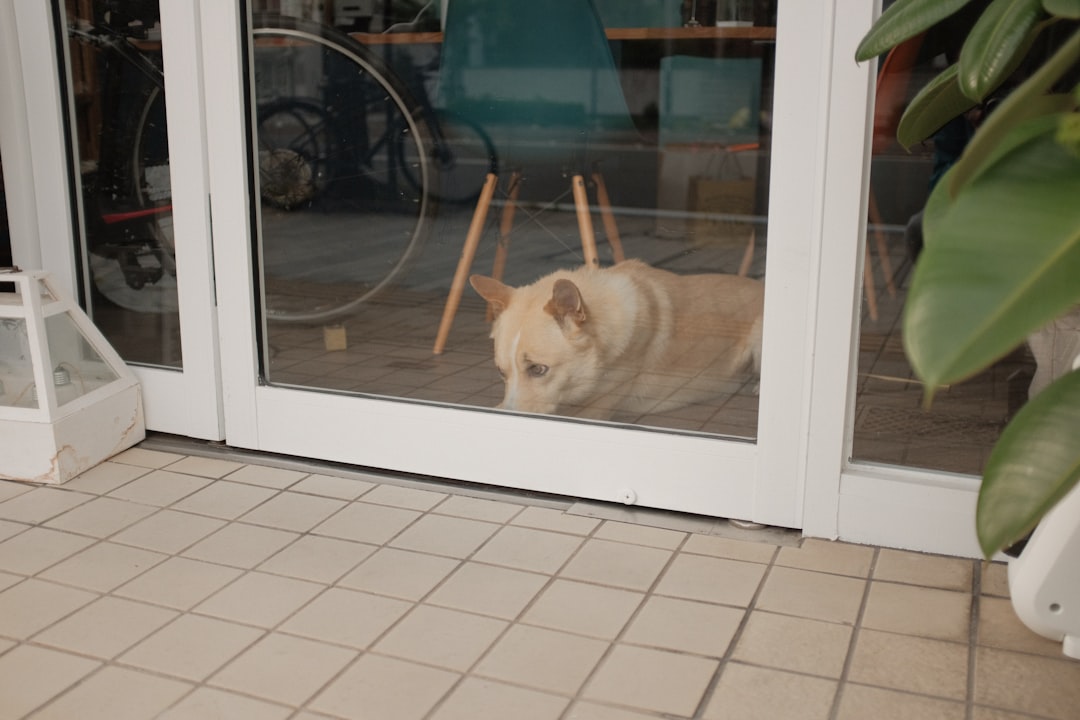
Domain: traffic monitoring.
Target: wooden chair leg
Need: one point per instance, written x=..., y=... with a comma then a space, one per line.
x=748, y=254
x=468, y=253
x=585, y=226
x=506, y=224
x=610, y=228
x=868, y=286
x=882, y=248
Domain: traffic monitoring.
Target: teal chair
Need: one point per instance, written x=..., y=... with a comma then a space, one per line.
x=538, y=77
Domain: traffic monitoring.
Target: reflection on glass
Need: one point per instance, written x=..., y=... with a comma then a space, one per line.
x=118, y=98
x=79, y=368
x=891, y=425
x=398, y=155
x=16, y=365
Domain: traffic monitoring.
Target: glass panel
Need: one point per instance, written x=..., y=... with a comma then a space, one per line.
x=637, y=130
x=5, y=232
x=120, y=143
x=16, y=365
x=77, y=367
x=891, y=426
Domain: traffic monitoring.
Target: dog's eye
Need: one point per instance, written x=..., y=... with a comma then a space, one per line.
x=536, y=370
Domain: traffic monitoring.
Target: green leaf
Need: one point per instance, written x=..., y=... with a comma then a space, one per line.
x=904, y=19
x=933, y=106
x=1041, y=113
x=996, y=45
x=1020, y=105
x=1002, y=258
x=1063, y=8
x=1033, y=465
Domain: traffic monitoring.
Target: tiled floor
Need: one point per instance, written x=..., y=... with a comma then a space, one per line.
x=163, y=585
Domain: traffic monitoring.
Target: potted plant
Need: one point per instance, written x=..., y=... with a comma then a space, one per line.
x=1002, y=238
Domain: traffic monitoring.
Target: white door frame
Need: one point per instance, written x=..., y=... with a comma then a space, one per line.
x=186, y=402
x=856, y=501
x=760, y=481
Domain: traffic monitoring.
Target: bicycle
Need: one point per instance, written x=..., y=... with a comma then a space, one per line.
x=353, y=141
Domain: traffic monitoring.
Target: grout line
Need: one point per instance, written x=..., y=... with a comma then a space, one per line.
x=714, y=682
x=973, y=637
x=843, y=679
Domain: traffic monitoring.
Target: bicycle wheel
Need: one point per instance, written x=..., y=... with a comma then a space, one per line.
x=353, y=221
x=296, y=148
x=462, y=157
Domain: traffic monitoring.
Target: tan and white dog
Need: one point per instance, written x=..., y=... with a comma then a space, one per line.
x=626, y=339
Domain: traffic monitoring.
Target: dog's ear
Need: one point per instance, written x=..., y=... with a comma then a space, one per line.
x=566, y=303
x=496, y=293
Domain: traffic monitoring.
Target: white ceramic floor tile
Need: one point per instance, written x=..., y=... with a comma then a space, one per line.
x=142, y=457
x=31, y=676
x=105, y=628
x=240, y=545
x=542, y=659
x=193, y=647
x=283, y=669
x=634, y=567
x=41, y=504
x=403, y=497
x=334, y=487
x=103, y=567
x=444, y=535
x=528, y=549
x=684, y=626
x=831, y=557
x=346, y=617
x=928, y=612
x=293, y=511
x=718, y=580
x=366, y=523
x=557, y=520
x=213, y=704
x=649, y=679
x=259, y=599
x=400, y=573
x=584, y=609
x=858, y=702
x=10, y=529
x=105, y=477
x=821, y=596
x=478, y=509
x=179, y=583
x=101, y=517
x=717, y=546
x=10, y=489
x=160, y=487
x=225, y=500
x=488, y=590
x=585, y=710
x=38, y=548
x=480, y=699
x=168, y=531
x=437, y=636
x=796, y=644
x=640, y=535
x=382, y=687
x=752, y=693
x=33, y=605
x=116, y=693
x=266, y=476
x=948, y=573
x=205, y=467
x=319, y=559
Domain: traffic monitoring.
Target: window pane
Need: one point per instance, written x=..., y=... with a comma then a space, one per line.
x=613, y=131
x=891, y=425
x=121, y=146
